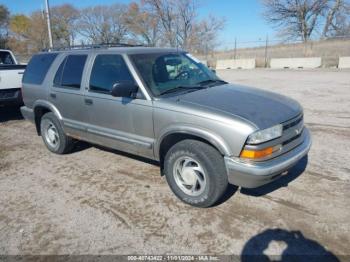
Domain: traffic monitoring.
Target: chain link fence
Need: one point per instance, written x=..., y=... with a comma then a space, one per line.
x=265, y=49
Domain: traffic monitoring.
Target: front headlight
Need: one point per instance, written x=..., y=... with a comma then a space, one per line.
x=265, y=135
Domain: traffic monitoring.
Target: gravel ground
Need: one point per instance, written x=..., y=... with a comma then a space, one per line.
x=98, y=201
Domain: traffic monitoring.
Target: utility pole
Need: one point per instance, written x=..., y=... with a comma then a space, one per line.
x=47, y=14
x=206, y=51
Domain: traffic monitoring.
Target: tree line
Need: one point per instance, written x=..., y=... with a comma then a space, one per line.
x=169, y=23
x=303, y=19
x=172, y=23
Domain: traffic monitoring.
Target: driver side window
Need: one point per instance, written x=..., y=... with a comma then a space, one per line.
x=106, y=71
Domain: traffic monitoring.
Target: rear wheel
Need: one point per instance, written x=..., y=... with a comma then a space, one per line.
x=53, y=135
x=196, y=173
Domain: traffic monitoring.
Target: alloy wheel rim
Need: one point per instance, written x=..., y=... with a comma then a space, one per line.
x=189, y=176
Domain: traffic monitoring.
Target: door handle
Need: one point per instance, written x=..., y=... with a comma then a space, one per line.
x=88, y=102
x=53, y=95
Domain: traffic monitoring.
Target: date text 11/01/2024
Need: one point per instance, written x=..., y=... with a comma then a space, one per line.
x=173, y=258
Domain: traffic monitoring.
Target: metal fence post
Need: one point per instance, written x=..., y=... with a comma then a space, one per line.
x=235, y=54
x=266, y=49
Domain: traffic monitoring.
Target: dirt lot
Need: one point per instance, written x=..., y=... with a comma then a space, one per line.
x=96, y=201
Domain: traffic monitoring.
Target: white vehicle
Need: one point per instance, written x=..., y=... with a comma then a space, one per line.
x=10, y=79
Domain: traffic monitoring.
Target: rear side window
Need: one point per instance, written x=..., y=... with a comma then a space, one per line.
x=6, y=58
x=70, y=72
x=37, y=68
x=58, y=76
x=106, y=71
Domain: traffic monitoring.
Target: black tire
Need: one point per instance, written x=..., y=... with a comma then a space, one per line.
x=65, y=143
x=211, y=162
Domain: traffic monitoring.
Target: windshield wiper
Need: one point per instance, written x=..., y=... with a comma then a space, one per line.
x=212, y=81
x=180, y=88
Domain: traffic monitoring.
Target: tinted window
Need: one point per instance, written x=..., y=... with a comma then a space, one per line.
x=58, y=76
x=106, y=71
x=37, y=68
x=70, y=72
x=6, y=58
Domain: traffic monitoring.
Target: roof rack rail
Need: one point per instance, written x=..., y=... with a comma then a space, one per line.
x=92, y=46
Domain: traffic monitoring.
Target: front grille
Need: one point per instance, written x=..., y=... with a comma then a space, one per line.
x=292, y=133
x=291, y=139
x=293, y=122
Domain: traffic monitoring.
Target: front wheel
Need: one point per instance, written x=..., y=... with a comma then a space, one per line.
x=196, y=173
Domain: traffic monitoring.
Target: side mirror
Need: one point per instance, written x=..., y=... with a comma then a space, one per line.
x=124, y=89
x=213, y=70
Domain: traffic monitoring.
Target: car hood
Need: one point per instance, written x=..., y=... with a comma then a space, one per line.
x=262, y=108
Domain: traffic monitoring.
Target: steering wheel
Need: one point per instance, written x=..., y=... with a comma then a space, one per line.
x=185, y=74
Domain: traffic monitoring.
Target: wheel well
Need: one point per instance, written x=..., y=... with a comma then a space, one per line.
x=39, y=111
x=172, y=139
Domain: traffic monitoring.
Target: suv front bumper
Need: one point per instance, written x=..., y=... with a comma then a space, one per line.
x=251, y=175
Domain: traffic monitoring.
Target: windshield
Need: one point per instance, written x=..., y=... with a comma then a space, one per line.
x=167, y=72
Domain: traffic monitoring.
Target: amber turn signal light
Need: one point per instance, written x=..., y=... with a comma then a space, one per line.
x=252, y=154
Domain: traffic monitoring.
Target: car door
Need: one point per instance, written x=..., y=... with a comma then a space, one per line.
x=67, y=95
x=123, y=123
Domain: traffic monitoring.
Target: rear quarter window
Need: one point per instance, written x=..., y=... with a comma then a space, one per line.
x=6, y=58
x=37, y=68
x=70, y=72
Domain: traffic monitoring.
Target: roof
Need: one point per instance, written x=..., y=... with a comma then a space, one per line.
x=121, y=50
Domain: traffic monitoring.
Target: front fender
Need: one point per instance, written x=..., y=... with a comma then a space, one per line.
x=207, y=135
